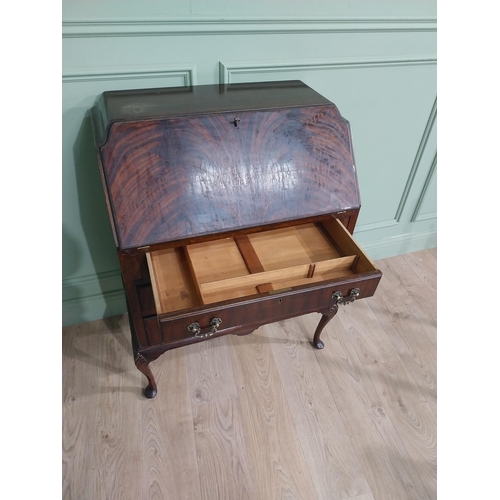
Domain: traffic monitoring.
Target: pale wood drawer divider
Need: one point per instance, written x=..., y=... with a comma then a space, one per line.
x=287, y=273
x=252, y=260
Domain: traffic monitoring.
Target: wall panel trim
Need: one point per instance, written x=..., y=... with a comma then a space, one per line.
x=228, y=69
x=416, y=162
x=82, y=28
x=94, y=307
x=186, y=72
x=417, y=216
x=375, y=225
x=94, y=284
x=381, y=248
x=91, y=296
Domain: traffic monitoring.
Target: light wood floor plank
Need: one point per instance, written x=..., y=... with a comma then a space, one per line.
x=210, y=372
x=281, y=468
x=403, y=277
x=417, y=352
x=118, y=436
x=409, y=412
x=225, y=467
x=368, y=496
x=379, y=447
x=77, y=444
x=332, y=461
x=78, y=478
x=424, y=265
x=100, y=449
x=169, y=464
x=265, y=416
x=432, y=252
x=413, y=292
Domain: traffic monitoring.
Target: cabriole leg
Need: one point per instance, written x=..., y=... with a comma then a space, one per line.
x=143, y=366
x=325, y=318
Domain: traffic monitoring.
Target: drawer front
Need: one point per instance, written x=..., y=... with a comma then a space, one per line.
x=247, y=315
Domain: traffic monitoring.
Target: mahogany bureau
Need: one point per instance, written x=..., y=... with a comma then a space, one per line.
x=231, y=206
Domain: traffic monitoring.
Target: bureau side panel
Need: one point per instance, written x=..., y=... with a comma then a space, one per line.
x=140, y=302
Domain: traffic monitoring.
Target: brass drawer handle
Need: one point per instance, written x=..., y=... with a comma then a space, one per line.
x=215, y=323
x=339, y=299
x=195, y=328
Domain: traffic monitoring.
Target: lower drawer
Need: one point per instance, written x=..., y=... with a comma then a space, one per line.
x=237, y=284
x=246, y=315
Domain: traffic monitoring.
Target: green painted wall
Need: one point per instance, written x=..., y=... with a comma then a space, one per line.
x=375, y=59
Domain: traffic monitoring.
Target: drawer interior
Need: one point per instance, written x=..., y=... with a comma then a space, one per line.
x=246, y=265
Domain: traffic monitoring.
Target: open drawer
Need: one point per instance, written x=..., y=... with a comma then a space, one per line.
x=266, y=262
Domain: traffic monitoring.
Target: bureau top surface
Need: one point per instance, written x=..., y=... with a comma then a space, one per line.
x=184, y=163
x=127, y=105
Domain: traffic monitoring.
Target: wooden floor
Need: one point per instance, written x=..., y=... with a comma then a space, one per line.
x=265, y=416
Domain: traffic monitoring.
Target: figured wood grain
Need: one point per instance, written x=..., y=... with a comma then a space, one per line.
x=191, y=176
x=262, y=417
